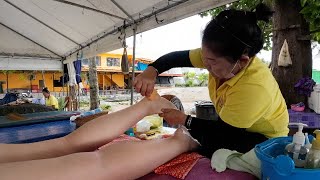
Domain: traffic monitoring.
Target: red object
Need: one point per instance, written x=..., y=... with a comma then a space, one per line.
x=203, y=171
x=180, y=166
x=34, y=87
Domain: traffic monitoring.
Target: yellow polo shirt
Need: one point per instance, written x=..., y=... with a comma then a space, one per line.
x=252, y=99
x=52, y=101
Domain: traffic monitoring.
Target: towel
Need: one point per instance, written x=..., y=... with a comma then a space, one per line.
x=72, y=74
x=180, y=166
x=248, y=162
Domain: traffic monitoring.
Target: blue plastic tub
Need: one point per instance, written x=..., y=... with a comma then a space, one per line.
x=277, y=166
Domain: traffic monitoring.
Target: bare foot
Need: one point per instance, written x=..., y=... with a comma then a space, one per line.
x=154, y=95
x=184, y=137
x=155, y=103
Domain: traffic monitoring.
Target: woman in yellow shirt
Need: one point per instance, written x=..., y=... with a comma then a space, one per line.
x=50, y=99
x=244, y=92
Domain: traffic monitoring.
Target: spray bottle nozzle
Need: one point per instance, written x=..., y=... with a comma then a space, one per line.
x=299, y=137
x=300, y=126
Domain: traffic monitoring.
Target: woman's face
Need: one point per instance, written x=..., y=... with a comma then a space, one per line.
x=46, y=95
x=218, y=66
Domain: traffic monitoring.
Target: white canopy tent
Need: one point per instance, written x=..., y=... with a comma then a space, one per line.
x=41, y=34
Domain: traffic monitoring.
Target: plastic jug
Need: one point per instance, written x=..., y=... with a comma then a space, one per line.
x=313, y=157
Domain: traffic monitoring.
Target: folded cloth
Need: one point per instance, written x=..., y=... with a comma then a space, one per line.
x=248, y=162
x=180, y=166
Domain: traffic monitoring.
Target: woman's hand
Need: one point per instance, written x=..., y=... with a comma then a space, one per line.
x=144, y=82
x=173, y=116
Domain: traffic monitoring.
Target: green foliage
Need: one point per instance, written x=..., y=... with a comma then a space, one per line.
x=62, y=103
x=310, y=11
x=191, y=78
x=189, y=83
x=179, y=85
x=84, y=103
x=190, y=75
x=105, y=107
x=203, y=79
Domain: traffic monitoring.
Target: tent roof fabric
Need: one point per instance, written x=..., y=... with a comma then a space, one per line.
x=61, y=29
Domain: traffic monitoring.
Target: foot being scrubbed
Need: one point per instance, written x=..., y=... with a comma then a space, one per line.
x=155, y=103
x=154, y=95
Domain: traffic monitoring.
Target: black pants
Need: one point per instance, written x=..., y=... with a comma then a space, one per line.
x=214, y=135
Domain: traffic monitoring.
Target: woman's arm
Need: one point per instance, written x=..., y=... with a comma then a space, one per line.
x=172, y=60
x=144, y=83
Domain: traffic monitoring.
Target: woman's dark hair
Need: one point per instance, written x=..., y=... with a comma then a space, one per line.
x=46, y=90
x=234, y=32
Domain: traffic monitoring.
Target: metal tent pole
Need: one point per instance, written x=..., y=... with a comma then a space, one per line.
x=62, y=79
x=7, y=74
x=133, y=60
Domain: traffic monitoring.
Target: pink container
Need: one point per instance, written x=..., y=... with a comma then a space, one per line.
x=297, y=108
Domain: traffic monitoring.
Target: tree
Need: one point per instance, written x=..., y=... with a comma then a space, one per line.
x=93, y=82
x=297, y=21
x=309, y=8
x=295, y=29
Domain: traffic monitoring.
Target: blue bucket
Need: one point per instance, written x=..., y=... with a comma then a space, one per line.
x=277, y=166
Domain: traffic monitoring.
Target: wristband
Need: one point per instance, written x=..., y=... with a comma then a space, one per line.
x=188, y=121
x=155, y=70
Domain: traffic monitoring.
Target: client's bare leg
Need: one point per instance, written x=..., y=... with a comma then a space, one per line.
x=122, y=160
x=88, y=137
x=106, y=128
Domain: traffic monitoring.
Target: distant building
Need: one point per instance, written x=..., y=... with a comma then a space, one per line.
x=110, y=76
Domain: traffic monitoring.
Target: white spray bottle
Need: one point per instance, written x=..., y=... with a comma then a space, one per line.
x=296, y=150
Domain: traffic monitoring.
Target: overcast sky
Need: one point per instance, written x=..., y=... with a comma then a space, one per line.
x=182, y=35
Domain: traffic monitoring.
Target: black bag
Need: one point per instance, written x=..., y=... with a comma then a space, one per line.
x=9, y=97
x=125, y=62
